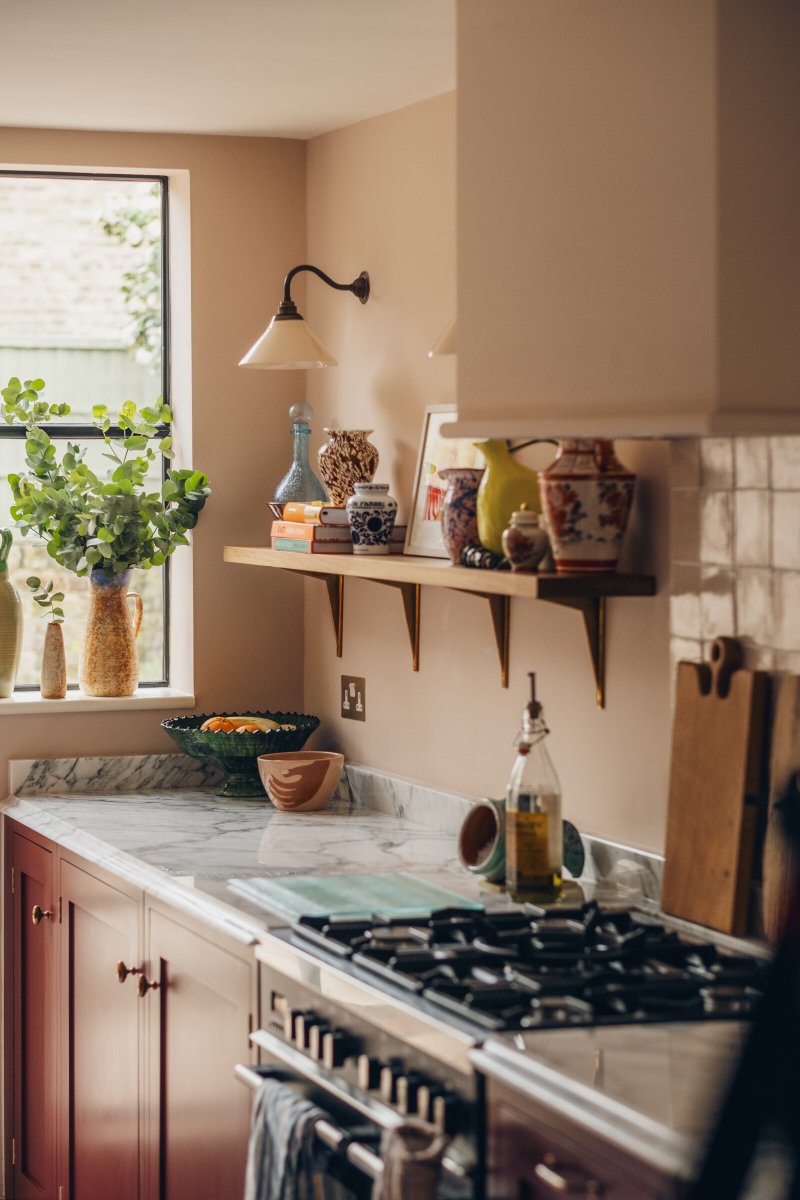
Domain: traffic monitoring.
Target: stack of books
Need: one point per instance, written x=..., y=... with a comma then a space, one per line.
x=321, y=529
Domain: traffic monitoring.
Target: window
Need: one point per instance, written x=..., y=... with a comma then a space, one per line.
x=83, y=305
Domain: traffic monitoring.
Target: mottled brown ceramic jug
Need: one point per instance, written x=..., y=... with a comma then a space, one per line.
x=109, y=663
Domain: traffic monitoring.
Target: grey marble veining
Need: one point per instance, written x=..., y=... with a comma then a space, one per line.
x=119, y=773
x=631, y=874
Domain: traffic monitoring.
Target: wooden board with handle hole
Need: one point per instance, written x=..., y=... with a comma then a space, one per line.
x=781, y=863
x=714, y=789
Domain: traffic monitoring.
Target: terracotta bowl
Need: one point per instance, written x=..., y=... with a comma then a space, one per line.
x=301, y=781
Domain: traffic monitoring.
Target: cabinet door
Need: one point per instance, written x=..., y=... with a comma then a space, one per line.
x=198, y=1022
x=100, y=1037
x=31, y=967
x=529, y=1160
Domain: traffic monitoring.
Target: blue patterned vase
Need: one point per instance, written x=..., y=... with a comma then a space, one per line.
x=459, y=510
x=371, y=513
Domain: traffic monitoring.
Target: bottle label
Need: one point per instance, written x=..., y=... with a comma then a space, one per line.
x=527, y=845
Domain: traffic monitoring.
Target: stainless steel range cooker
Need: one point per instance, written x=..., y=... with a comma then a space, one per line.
x=378, y=1018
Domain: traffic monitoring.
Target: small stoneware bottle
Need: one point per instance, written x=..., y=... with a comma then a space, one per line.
x=371, y=513
x=525, y=543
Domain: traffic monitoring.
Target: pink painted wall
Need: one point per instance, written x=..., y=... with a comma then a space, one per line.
x=382, y=197
x=247, y=230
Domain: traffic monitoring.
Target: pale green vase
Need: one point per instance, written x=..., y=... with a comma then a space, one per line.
x=10, y=621
x=506, y=484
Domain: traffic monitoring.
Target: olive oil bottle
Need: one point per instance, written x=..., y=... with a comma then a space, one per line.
x=534, y=832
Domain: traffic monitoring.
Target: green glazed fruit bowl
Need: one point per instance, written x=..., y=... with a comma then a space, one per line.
x=237, y=753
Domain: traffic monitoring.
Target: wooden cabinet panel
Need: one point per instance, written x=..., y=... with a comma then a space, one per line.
x=198, y=1022
x=33, y=914
x=529, y=1159
x=100, y=1038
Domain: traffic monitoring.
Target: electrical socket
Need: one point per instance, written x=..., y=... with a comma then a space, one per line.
x=354, y=698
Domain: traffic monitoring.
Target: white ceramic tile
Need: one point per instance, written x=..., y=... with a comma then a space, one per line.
x=716, y=528
x=786, y=530
x=685, y=526
x=785, y=462
x=754, y=611
x=787, y=610
x=716, y=463
x=751, y=462
x=756, y=658
x=787, y=660
x=752, y=528
x=717, y=608
x=685, y=463
x=684, y=604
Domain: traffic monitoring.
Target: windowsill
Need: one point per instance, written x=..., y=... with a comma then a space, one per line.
x=75, y=702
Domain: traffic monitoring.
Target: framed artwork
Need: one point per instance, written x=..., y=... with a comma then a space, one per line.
x=436, y=453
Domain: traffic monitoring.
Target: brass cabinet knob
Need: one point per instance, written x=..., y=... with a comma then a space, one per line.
x=38, y=914
x=145, y=984
x=123, y=972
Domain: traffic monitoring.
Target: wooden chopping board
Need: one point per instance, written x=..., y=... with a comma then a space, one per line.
x=714, y=789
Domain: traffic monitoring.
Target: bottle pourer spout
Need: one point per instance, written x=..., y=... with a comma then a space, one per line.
x=534, y=707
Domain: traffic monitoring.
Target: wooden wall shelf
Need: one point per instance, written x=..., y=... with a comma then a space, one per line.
x=586, y=593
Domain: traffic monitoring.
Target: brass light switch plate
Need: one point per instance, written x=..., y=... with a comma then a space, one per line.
x=354, y=698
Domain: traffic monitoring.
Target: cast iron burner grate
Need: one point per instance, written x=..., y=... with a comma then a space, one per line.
x=544, y=969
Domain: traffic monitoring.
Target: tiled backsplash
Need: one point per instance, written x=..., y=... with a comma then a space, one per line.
x=735, y=529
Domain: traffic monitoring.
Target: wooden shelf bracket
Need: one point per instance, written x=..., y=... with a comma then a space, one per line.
x=593, y=611
x=411, y=593
x=335, y=587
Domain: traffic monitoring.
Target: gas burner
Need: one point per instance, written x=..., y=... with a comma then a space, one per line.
x=535, y=968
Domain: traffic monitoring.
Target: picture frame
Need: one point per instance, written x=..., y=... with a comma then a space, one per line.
x=424, y=534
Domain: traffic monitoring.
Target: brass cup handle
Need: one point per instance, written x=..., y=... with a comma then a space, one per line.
x=123, y=972
x=144, y=985
x=565, y=1181
x=39, y=914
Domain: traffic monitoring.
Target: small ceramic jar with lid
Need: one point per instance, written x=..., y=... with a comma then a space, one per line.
x=525, y=543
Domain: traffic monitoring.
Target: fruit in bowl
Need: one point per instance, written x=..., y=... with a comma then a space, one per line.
x=301, y=781
x=237, y=748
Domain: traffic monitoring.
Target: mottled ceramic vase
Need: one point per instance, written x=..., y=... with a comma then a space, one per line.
x=347, y=458
x=459, y=511
x=10, y=621
x=109, y=663
x=587, y=495
x=371, y=513
x=54, y=664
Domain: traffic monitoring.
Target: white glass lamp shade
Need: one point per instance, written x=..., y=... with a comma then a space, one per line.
x=445, y=343
x=288, y=343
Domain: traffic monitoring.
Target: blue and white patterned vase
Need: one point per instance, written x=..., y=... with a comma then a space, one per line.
x=371, y=513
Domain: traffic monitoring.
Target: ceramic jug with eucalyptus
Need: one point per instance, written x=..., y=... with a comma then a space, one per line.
x=109, y=662
x=10, y=621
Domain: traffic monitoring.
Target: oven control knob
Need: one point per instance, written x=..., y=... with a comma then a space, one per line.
x=290, y=1020
x=337, y=1046
x=447, y=1112
x=389, y=1077
x=426, y=1095
x=315, y=1034
x=408, y=1093
x=369, y=1072
x=303, y=1023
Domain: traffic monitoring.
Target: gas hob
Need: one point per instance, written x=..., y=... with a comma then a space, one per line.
x=539, y=968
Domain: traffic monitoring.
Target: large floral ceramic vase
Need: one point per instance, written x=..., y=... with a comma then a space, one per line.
x=346, y=459
x=10, y=621
x=459, y=513
x=505, y=486
x=371, y=513
x=587, y=495
x=109, y=663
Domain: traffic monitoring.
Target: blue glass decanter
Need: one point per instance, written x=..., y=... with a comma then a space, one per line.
x=300, y=482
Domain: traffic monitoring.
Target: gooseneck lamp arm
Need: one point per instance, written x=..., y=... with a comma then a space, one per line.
x=287, y=310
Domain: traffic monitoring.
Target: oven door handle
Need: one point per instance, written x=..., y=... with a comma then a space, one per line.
x=355, y=1152
x=372, y=1110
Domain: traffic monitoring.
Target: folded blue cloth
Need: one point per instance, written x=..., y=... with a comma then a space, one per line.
x=285, y=1159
